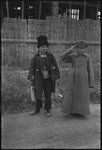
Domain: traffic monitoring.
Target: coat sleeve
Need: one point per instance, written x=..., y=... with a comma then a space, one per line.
x=65, y=57
x=32, y=69
x=90, y=73
x=54, y=63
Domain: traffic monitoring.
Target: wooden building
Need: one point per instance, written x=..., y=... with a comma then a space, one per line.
x=76, y=9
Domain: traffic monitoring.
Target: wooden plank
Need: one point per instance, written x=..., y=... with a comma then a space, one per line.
x=7, y=7
x=97, y=10
x=50, y=41
x=22, y=9
x=77, y=3
x=40, y=10
x=84, y=10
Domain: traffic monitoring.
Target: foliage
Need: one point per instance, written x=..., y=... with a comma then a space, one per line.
x=15, y=91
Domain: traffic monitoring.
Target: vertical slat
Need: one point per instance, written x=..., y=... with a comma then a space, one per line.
x=7, y=7
x=70, y=5
x=1, y=11
x=40, y=10
x=22, y=9
x=84, y=10
x=97, y=10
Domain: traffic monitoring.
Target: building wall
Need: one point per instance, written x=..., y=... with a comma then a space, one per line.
x=41, y=9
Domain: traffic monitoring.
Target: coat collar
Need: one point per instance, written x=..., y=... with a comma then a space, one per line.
x=47, y=53
x=84, y=54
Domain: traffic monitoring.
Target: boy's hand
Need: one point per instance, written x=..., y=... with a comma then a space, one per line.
x=32, y=80
x=71, y=48
x=32, y=77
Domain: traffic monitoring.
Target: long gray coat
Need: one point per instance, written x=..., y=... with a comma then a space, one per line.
x=80, y=79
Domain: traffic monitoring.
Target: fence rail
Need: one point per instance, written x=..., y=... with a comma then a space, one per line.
x=51, y=42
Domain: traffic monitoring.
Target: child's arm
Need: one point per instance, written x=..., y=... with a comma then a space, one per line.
x=90, y=73
x=65, y=55
x=31, y=69
x=54, y=63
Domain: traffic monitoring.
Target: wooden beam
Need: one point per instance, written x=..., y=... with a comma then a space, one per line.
x=97, y=10
x=70, y=4
x=70, y=12
x=54, y=8
x=22, y=9
x=40, y=10
x=84, y=10
x=77, y=3
x=7, y=7
x=1, y=11
x=51, y=42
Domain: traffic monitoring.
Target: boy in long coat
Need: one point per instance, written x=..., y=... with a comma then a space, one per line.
x=40, y=75
x=80, y=79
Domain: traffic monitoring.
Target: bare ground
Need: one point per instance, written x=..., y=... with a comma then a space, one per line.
x=23, y=131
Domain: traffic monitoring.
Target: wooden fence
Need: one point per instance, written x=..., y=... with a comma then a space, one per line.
x=54, y=29
x=19, y=38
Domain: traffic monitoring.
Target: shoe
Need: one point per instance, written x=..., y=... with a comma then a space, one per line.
x=48, y=113
x=35, y=112
x=70, y=116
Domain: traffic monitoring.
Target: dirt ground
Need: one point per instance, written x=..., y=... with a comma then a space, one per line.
x=23, y=131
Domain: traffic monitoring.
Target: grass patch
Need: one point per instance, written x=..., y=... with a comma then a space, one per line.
x=15, y=91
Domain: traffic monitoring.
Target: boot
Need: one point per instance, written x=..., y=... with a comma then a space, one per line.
x=48, y=113
x=36, y=111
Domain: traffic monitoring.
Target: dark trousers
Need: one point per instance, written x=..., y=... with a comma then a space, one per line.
x=47, y=86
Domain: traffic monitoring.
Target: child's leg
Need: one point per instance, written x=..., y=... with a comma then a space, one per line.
x=47, y=92
x=39, y=103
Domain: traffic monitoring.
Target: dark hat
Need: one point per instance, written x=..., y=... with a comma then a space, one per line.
x=81, y=43
x=42, y=40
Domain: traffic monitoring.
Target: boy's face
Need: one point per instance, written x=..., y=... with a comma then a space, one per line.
x=43, y=49
x=81, y=49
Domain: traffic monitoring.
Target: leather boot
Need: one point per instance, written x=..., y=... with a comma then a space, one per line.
x=36, y=111
x=48, y=113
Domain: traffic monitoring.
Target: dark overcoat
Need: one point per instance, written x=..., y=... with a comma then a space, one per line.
x=37, y=63
x=79, y=80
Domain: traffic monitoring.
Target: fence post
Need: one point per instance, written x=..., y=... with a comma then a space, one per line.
x=7, y=7
x=22, y=9
x=97, y=9
x=84, y=10
x=40, y=10
x=70, y=5
x=55, y=8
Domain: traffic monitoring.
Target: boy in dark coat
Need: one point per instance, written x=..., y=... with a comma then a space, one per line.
x=40, y=75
